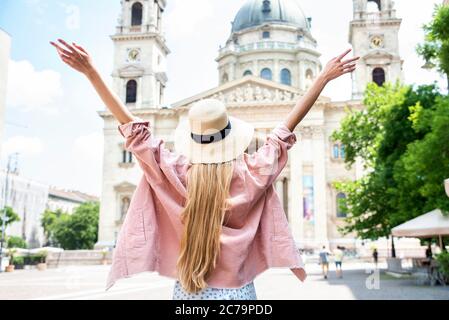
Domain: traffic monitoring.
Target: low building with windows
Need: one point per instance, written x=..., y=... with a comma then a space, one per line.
x=269, y=60
x=29, y=199
x=67, y=200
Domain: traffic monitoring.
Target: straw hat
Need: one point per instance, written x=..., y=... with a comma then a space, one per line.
x=210, y=135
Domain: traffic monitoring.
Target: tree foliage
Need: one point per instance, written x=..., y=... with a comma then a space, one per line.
x=16, y=242
x=11, y=217
x=397, y=137
x=78, y=231
x=435, y=49
x=48, y=223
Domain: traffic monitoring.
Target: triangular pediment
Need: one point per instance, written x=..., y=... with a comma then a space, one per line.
x=131, y=71
x=125, y=187
x=248, y=91
x=373, y=57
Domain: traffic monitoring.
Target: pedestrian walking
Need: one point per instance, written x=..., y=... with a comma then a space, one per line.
x=338, y=258
x=375, y=257
x=324, y=261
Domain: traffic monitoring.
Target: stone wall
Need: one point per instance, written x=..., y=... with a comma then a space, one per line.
x=77, y=257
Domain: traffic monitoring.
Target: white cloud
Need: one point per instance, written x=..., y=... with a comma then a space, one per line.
x=25, y=146
x=31, y=89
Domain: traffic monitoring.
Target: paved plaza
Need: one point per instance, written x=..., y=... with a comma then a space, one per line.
x=87, y=283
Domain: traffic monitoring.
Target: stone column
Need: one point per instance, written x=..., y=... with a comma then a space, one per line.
x=295, y=207
x=276, y=71
x=256, y=68
x=232, y=69
x=319, y=186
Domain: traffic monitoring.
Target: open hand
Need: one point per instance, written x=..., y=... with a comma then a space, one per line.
x=74, y=55
x=336, y=67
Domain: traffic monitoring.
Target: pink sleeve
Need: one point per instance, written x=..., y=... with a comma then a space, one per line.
x=154, y=159
x=266, y=164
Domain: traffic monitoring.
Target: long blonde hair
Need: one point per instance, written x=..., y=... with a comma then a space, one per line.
x=208, y=191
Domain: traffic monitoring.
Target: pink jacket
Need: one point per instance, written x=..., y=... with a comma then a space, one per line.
x=256, y=236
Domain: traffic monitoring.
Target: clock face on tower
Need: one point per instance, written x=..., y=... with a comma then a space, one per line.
x=377, y=42
x=133, y=55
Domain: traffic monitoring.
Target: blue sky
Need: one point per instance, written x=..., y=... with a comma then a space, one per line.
x=51, y=116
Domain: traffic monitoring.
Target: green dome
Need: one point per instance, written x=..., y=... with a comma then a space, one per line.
x=258, y=12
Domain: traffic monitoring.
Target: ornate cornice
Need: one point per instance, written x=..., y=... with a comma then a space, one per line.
x=143, y=36
x=308, y=132
x=125, y=187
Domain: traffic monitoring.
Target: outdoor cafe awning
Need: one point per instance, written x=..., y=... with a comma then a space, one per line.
x=431, y=224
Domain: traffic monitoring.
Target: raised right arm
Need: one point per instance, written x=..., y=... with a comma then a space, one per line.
x=77, y=58
x=335, y=68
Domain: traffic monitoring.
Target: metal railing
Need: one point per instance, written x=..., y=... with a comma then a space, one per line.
x=267, y=45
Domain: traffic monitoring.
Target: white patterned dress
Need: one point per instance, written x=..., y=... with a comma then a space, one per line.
x=247, y=292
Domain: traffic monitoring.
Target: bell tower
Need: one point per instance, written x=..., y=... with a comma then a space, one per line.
x=139, y=78
x=374, y=35
x=140, y=54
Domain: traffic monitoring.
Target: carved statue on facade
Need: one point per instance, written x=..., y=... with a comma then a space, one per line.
x=239, y=95
x=258, y=94
x=249, y=93
x=267, y=96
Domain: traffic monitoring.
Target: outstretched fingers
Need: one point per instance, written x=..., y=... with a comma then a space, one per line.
x=349, y=69
x=71, y=48
x=61, y=51
x=76, y=53
x=79, y=48
x=344, y=54
x=348, y=61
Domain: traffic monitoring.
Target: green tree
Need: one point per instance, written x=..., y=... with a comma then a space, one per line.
x=380, y=135
x=11, y=217
x=435, y=49
x=425, y=164
x=48, y=222
x=80, y=230
x=16, y=242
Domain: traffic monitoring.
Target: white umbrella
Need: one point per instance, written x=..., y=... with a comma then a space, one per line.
x=429, y=225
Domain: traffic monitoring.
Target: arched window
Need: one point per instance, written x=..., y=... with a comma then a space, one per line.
x=267, y=74
x=286, y=77
x=374, y=6
x=124, y=206
x=266, y=35
x=336, y=151
x=342, y=151
x=136, y=14
x=309, y=78
x=131, y=91
x=127, y=157
x=225, y=78
x=341, y=210
x=247, y=73
x=379, y=76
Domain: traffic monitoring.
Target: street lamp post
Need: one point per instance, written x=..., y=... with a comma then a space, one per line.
x=446, y=187
x=446, y=184
x=12, y=167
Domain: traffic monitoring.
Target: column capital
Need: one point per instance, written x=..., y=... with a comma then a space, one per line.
x=311, y=131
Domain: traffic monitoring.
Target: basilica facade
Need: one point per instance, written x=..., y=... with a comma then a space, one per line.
x=267, y=63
